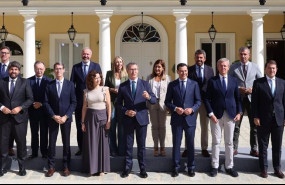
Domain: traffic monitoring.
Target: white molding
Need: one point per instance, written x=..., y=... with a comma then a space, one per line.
x=16, y=39
x=149, y=20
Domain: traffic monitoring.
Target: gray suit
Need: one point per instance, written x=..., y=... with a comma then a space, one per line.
x=253, y=73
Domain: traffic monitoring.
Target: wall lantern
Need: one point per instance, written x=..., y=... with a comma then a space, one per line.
x=3, y=32
x=142, y=31
x=39, y=45
x=72, y=32
x=212, y=31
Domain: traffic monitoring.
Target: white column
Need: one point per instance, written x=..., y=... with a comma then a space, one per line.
x=104, y=40
x=181, y=54
x=258, y=37
x=29, y=41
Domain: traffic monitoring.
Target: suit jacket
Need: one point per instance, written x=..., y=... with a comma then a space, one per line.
x=264, y=105
x=65, y=105
x=77, y=77
x=111, y=83
x=38, y=93
x=23, y=97
x=208, y=74
x=6, y=75
x=253, y=73
x=192, y=100
x=217, y=102
x=126, y=102
x=163, y=90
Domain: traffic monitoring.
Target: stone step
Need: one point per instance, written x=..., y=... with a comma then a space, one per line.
x=243, y=162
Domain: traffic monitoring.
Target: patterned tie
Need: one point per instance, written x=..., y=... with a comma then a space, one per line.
x=183, y=89
x=224, y=85
x=134, y=89
x=12, y=88
x=244, y=71
x=59, y=89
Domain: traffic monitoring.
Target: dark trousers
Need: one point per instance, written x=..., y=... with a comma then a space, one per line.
x=53, y=133
x=276, y=133
x=141, y=132
x=78, y=119
x=20, y=133
x=253, y=129
x=177, y=132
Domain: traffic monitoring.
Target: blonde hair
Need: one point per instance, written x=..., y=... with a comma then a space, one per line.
x=123, y=71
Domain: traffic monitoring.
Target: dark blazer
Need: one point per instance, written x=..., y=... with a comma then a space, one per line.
x=65, y=105
x=208, y=74
x=218, y=102
x=77, y=77
x=6, y=73
x=192, y=100
x=126, y=102
x=265, y=105
x=23, y=96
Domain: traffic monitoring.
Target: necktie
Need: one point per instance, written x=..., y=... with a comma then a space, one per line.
x=244, y=71
x=85, y=70
x=183, y=89
x=224, y=85
x=38, y=82
x=59, y=89
x=134, y=89
x=12, y=88
x=3, y=70
x=200, y=75
x=272, y=87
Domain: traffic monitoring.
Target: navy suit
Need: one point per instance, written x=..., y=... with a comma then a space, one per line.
x=65, y=105
x=270, y=109
x=79, y=80
x=179, y=123
x=126, y=102
x=218, y=103
x=38, y=117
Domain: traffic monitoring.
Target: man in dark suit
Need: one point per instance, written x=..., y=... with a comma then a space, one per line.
x=16, y=97
x=268, y=101
x=37, y=115
x=60, y=103
x=183, y=99
x=223, y=104
x=78, y=77
x=201, y=73
x=132, y=98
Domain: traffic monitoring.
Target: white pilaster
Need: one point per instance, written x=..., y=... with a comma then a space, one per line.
x=29, y=41
x=181, y=54
x=258, y=36
x=104, y=40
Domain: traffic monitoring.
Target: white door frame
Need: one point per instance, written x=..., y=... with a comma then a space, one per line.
x=148, y=20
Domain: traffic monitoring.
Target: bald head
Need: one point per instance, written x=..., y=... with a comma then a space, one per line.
x=86, y=55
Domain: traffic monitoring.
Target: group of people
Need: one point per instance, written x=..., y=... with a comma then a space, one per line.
x=107, y=116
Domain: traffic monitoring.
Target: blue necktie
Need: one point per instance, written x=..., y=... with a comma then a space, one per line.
x=183, y=90
x=3, y=70
x=85, y=70
x=224, y=85
x=134, y=89
x=12, y=88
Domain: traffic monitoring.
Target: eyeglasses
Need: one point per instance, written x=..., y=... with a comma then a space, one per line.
x=4, y=53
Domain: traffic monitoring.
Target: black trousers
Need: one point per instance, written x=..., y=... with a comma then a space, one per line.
x=20, y=132
x=276, y=133
x=53, y=133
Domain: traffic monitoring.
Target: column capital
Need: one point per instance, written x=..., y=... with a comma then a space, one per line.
x=104, y=13
x=258, y=13
x=181, y=13
x=28, y=13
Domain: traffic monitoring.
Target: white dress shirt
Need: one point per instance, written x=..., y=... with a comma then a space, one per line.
x=131, y=83
x=202, y=70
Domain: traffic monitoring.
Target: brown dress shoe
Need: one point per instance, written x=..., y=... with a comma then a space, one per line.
x=50, y=172
x=205, y=153
x=264, y=174
x=162, y=152
x=155, y=153
x=11, y=152
x=66, y=172
x=254, y=153
x=279, y=174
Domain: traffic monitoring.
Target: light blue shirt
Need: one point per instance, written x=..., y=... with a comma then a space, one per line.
x=272, y=83
x=131, y=83
x=185, y=83
x=83, y=65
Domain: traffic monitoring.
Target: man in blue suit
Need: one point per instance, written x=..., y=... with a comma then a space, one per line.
x=132, y=98
x=223, y=104
x=78, y=77
x=183, y=99
x=60, y=103
x=38, y=117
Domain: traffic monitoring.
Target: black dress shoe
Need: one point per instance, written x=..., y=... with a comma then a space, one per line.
x=232, y=172
x=33, y=156
x=125, y=174
x=174, y=174
x=1, y=173
x=191, y=173
x=79, y=153
x=44, y=157
x=22, y=173
x=214, y=172
x=143, y=174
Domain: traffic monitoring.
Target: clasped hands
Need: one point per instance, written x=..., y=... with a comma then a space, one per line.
x=15, y=111
x=60, y=120
x=245, y=90
x=257, y=122
x=181, y=111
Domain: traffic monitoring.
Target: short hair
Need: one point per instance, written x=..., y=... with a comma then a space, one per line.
x=244, y=49
x=38, y=62
x=15, y=64
x=181, y=65
x=132, y=64
x=223, y=60
x=58, y=64
x=90, y=80
x=271, y=62
x=86, y=48
x=201, y=52
x=5, y=47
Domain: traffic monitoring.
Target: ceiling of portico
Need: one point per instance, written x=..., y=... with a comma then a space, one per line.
x=130, y=7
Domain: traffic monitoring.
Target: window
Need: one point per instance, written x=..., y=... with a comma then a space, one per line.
x=16, y=50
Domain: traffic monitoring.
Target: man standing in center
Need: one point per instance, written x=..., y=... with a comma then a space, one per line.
x=132, y=98
x=78, y=77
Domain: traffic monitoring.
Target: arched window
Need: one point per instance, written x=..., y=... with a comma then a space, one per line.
x=132, y=34
x=14, y=47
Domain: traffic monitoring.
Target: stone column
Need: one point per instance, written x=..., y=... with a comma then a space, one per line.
x=105, y=40
x=258, y=37
x=181, y=54
x=29, y=41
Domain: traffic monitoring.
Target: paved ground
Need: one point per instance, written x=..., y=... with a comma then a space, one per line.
x=37, y=177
